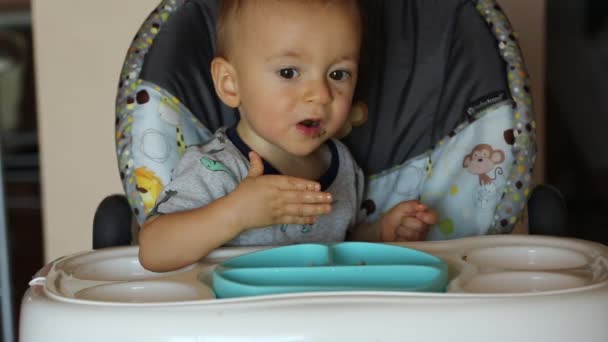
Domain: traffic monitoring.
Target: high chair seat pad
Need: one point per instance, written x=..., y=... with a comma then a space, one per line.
x=417, y=75
x=450, y=114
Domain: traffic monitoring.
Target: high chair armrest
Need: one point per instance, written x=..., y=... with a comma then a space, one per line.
x=112, y=222
x=547, y=212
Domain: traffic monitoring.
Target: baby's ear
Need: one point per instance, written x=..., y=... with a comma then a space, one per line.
x=225, y=82
x=356, y=117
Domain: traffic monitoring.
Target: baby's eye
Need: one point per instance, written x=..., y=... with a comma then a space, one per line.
x=339, y=75
x=288, y=73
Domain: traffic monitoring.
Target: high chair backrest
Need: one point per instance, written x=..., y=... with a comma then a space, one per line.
x=443, y=82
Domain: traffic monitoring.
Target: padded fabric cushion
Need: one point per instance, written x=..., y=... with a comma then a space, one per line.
x=423, y=62
x=444, y=82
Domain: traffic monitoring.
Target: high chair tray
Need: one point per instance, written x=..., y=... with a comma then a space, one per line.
x=349, y=266
x=546, y=289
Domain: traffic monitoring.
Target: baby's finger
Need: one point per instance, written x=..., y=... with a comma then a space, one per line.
x=294, y=183
x=309, y=197
x=412, y=229
x=421, y=207
x=411, y=235
x=407, y=208
x=428, y=217
x=409, y=222
x=256, y=166
x=304, y=210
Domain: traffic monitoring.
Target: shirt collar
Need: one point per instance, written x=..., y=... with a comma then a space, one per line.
x=326, y=179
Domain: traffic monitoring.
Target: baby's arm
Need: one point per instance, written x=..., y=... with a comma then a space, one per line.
x=407, y=221
x=171, y=241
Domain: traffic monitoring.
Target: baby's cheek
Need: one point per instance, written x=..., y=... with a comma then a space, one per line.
x=341, y=110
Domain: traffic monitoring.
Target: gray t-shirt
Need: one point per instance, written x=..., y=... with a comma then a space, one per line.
x=206, y=173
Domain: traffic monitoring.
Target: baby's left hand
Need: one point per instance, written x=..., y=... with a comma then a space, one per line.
x=407, y=221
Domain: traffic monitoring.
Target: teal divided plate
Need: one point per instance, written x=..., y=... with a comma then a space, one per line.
x=347, y=266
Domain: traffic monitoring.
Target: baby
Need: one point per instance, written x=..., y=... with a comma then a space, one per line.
x=277, y=177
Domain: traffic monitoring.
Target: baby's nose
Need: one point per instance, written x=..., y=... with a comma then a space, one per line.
x=319, y=92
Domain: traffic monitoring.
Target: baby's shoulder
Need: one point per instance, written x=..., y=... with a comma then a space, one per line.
x=218, y=154
x=342, y=150
x=219, y=146
x=348, y=164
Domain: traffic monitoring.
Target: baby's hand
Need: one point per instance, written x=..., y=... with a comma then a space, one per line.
x=274, y=199
x=407, y=221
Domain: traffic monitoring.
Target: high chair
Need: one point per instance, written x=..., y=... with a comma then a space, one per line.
x=437, y=84
x=440, y=80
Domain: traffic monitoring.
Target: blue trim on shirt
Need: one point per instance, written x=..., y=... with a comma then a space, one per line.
x=326, y=179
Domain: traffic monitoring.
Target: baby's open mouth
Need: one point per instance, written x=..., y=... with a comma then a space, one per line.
x=311, y=127
x=310, y=123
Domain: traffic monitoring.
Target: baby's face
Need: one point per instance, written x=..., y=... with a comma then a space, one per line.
x=296, y=64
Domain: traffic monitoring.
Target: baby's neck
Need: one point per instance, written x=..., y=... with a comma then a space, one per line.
x=312, y=166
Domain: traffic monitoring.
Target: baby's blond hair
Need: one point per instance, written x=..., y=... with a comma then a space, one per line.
x=231, y=9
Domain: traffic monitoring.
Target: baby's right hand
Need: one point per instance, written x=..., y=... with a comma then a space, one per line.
x=263, y=200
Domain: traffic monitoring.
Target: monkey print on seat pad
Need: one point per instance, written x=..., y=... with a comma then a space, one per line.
x=469, y=174
x=465, y=177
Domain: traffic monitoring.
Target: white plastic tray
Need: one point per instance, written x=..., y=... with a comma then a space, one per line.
x=502, y=288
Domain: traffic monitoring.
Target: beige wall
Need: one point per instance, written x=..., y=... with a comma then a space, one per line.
x=80, y=46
